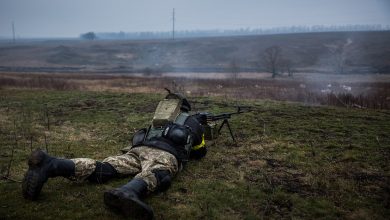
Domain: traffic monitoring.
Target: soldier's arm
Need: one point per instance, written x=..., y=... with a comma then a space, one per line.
x=199, y=149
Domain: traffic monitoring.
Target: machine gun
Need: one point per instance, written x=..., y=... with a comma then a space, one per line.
x=210, y=122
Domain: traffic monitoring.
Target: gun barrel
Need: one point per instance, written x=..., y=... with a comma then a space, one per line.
x=209, y=117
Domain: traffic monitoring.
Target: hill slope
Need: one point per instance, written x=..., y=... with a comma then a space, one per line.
x=293, y=161
x=367, y=52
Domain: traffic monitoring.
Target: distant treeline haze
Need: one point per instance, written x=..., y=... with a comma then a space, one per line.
x=239, y=32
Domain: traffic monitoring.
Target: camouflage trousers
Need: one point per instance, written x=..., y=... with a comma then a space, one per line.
x=139, y=161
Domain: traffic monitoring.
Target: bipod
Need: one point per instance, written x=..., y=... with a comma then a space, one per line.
x=226, y=121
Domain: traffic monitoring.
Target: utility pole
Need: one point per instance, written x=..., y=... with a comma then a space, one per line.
x=13, y=32
x=173, y=24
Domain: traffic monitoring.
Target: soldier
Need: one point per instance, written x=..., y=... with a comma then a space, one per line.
x=156, y=155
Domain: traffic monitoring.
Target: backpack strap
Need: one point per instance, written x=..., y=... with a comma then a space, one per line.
x=181, y=118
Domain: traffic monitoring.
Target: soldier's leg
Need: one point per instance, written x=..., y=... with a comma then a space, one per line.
x=92, y=170
x=101, y=172
x=41, y=166
x=157, y=168
x=125, y=164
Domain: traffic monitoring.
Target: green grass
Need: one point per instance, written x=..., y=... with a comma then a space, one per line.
x=308, y=162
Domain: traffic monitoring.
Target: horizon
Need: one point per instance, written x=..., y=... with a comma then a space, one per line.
x=222, y=32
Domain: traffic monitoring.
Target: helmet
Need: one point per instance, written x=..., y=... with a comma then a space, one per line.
x=185, y=105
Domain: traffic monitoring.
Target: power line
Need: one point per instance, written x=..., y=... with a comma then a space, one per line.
x=13, y=32
x=173, y=24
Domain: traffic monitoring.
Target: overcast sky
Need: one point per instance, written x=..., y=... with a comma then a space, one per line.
x=69, y=18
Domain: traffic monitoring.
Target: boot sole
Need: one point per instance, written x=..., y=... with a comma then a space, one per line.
x=32, y=182
x=130, y=207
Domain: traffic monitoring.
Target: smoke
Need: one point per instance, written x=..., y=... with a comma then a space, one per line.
x=346, y=66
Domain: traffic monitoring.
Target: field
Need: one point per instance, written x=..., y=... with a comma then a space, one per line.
x=355, y=52
x=294, y=161
x=351, y=91
x=316, y=144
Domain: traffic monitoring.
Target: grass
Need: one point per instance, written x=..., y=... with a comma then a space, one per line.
x=316, y=88
x=293, y=161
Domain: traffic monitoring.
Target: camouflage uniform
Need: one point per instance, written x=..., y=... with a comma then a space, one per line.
x=139, y=161
x=155, y=157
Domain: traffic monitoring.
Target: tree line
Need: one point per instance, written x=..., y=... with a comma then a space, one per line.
x=234, y=32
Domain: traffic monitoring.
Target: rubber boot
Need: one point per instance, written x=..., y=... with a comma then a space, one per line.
x=128, y=200
x=41, y=166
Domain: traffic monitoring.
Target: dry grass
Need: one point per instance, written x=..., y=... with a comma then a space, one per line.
x=360, y=92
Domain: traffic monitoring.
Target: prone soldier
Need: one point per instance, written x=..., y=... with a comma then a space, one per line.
x=157, y=154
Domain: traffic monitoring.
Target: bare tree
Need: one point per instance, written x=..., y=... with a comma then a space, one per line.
x=234, y=68
x=271, y=59
x=287, y=66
